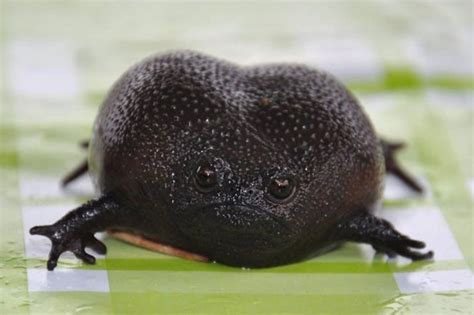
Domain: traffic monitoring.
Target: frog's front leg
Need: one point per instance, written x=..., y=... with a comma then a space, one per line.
x=75, y=230
x=367, y=228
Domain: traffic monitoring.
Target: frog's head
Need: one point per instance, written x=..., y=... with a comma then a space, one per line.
x=242, y=208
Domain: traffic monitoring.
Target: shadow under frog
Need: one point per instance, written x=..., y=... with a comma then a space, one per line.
x=247, y=166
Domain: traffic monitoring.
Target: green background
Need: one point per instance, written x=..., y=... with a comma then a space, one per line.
x=409, y=63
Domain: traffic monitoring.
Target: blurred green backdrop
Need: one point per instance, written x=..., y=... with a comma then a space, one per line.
x=409, y=63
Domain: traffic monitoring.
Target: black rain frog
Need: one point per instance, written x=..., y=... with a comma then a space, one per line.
x=248, y=166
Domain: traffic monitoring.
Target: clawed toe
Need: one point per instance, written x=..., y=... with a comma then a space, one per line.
x=404, y=248
x=413, y=243
x=45, y=230
x=85, y=257
x=51, y=264
x=407, y=252
x=96, y=245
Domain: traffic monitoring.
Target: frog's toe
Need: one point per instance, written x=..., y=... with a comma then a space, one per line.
x=96, y=245
x=408, y=242
x=414, y=255
x=85, y=257
x=53, y=258
x=404, y=248
x=45, y=230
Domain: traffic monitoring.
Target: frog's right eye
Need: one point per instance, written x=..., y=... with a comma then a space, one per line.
x=281, y=189
x=205, y=178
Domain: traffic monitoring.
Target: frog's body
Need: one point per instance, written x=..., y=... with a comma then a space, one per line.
x=249, y=166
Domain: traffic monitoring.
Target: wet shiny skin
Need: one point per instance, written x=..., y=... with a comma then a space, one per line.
x=249, y=166
x=171, y=113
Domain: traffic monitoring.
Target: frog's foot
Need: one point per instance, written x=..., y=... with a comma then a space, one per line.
x=75, y=231
x=63, y=240
x=366, y=228
x=140, y=241
x=79, y=170
x=392, y=166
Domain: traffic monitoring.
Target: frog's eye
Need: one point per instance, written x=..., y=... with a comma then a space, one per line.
x=280, y=189
x=205, y=178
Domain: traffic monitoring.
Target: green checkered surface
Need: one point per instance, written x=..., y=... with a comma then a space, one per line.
x=410, y=64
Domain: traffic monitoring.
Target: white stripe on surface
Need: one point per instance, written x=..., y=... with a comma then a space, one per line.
x=42, y=69
x=330, y=53
x=442, y=58
x=248, y=282
x=470, y=186
x=66, y=280
x=41, y=187
x=434, y=281
x=395, y=189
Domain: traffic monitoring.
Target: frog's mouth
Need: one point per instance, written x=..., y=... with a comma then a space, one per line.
x=236, y=234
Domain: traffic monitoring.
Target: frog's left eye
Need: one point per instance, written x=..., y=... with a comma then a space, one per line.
x=205, y=178
x=280, y=189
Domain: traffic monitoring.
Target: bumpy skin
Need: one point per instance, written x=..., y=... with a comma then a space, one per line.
x=173, y=113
